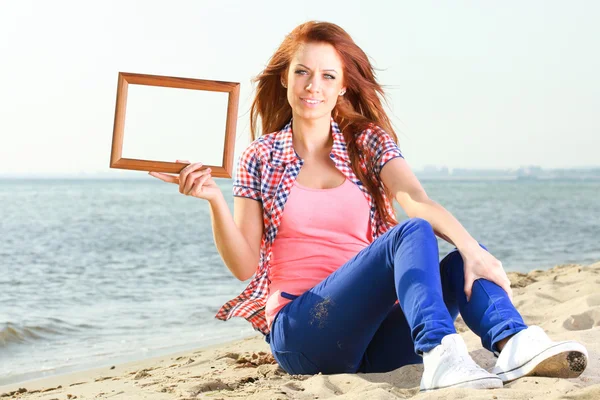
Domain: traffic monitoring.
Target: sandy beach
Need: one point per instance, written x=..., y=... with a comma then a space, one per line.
x=564, y=300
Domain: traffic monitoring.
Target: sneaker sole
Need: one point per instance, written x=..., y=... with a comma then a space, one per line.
x=483, y=383
x=565, y=360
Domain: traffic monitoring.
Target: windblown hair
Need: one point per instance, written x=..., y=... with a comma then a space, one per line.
x=359, y=109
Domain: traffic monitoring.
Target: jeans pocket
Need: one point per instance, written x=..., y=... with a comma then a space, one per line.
x=295, y=363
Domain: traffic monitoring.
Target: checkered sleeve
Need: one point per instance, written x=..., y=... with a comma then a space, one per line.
x=248, y=175
x=380, y=148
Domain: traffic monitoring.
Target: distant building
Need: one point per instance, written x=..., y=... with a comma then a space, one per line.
x=432, y=170
x=529, y=171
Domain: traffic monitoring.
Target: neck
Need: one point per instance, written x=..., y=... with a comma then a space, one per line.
x=312, y=137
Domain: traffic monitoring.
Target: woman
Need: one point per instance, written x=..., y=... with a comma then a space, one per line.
x=341, y=286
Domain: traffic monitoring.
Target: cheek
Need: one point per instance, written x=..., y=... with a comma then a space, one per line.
x=299, y=84
x=335, y=88
x=333, y=94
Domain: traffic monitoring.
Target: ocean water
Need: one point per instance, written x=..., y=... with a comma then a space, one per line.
x=98, y=272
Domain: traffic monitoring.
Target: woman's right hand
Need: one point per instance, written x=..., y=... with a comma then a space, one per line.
x=193, y=181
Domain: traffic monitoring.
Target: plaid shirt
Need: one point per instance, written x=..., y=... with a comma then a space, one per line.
x=266, y=172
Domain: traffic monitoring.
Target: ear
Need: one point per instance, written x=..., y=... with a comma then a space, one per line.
x=283, y=79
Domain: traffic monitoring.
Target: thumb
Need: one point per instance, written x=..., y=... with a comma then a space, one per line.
x=182, y=161
x=469, y=286
x=509, y=291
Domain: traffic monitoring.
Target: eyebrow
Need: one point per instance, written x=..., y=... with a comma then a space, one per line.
x=302, y=65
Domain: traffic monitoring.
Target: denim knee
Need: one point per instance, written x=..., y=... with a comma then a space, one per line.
x=454, y=260
x=419, y=223
x=413, y=225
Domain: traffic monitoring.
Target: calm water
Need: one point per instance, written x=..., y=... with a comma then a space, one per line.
x=99, y=272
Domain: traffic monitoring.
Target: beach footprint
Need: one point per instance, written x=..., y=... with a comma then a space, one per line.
x=593, y=300
x=583, y=321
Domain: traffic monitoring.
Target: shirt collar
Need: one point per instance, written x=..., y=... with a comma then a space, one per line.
x=284, y=152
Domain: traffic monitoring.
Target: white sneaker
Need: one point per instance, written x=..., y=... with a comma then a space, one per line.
x=532, y=353
x=450, y=365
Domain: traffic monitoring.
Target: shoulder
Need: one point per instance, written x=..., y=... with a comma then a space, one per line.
x=377, y=147
x=264, y=145
x=373, y=135
x=375, y=141
x=259, y=149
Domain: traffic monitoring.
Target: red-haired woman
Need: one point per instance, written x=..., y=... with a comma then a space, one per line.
x=341, y=286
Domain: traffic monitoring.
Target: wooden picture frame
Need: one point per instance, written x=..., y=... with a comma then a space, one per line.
x=125, y=79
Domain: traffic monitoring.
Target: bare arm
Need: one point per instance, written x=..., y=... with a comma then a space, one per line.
x=238, y=238
x=478, y=263
x=397, y=176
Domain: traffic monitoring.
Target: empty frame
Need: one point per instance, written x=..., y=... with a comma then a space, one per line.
x=170, y=119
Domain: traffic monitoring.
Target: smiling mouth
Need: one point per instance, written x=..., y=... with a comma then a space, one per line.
x=312, y=102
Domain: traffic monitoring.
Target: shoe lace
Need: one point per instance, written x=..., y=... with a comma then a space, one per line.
x=463, y=362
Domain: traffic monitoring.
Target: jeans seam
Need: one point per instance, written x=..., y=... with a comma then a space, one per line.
x=417, y=351
x=495, y=308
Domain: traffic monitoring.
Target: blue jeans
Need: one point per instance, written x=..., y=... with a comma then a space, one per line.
x=350, y=322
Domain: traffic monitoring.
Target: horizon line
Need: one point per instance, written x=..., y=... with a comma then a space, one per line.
x=127, y=174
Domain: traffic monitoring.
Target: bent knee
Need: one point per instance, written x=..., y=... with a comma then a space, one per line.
x=419, y=224
x=454, y=258
x=413, y=226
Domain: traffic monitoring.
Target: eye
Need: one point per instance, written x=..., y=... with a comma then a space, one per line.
x=299, y=71
x=329, y=76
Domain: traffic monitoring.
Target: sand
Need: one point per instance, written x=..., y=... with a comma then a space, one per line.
x=565, y=301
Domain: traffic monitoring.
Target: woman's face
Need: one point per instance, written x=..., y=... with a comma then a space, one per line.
x=314, y=81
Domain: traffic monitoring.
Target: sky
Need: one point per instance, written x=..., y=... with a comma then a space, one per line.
x=470, y=84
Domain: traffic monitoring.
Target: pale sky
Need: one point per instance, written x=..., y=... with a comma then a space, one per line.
x=475, y=84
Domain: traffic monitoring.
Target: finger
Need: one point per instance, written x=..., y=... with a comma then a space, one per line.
x=507, y=289
x=469, y=279
x=501, y=279
x=165, y=177
x=191, y=180
x=195, y=179
x=182, y=161
x=199, y=183
x=183, y=175
x=495, y=277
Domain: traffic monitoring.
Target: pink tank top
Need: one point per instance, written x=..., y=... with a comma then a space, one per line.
x=320, y=230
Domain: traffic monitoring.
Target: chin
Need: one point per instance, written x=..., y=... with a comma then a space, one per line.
x=312, y=114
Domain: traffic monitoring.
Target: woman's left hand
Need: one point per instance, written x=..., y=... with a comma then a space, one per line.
x=479, y=263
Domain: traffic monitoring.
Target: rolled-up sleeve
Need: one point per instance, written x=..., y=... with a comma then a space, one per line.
x=380, y=148
x=247, y=180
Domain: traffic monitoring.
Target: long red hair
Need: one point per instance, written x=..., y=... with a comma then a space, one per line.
x=360, y=108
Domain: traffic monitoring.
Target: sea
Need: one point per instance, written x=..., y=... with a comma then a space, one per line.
x=95, y=272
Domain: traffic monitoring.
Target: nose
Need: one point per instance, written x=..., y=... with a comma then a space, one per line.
x=312, y=85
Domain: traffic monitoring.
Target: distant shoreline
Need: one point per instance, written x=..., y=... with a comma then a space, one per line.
x=420, y=176
x=533, y=172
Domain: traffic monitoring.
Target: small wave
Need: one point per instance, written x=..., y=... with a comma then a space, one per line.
x=11, y=333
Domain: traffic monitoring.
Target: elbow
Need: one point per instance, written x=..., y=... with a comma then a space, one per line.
x=245, y=273
x=415, y=206
x=243, y=277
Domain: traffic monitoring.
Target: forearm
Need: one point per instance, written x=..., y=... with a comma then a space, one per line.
x=230, y=242
x=445, y=225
